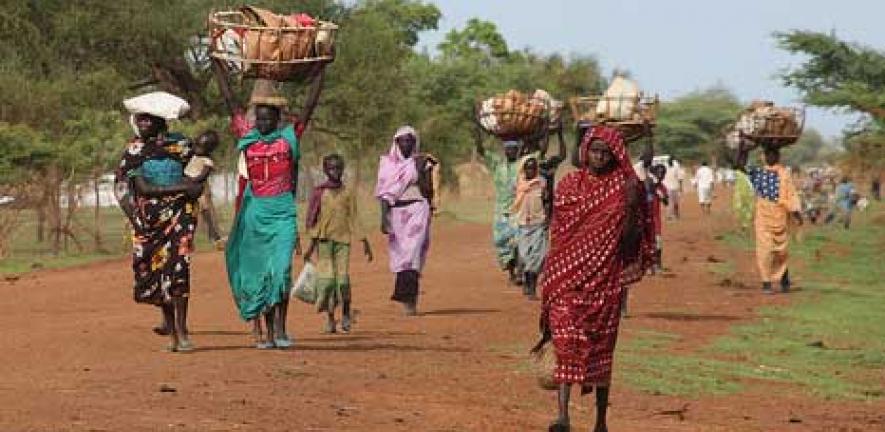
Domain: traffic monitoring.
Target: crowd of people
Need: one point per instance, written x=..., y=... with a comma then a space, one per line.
x=575, y=244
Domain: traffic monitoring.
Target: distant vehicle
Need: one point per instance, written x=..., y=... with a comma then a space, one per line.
x=6, y=200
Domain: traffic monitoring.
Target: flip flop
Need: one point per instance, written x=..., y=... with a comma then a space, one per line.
x=265, y=345
x=283, y=343
x=186, y=346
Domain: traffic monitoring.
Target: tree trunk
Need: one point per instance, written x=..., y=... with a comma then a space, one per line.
x=53, y=206
x=41, y=219
x=67, y=229
x=97, y=215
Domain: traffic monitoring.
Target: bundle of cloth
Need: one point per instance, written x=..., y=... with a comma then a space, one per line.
x=514, y=114
x=158, y=104
x=620, y=102
x=763, y=119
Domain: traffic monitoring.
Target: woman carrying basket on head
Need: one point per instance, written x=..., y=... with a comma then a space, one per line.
x=601, y=240
x=265, y=233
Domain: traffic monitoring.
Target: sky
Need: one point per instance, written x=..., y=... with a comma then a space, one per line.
x=673, y=47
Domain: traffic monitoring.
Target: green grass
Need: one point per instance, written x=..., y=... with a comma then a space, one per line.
x=830, y=341
x=725, y=269
x=29, y=255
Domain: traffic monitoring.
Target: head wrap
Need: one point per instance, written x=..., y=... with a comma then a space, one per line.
x=615, y=141
x=396, y=172
x=160, y=104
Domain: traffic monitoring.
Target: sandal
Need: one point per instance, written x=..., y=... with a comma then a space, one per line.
x=283, y=342
x=186, y=345
x=265, y=345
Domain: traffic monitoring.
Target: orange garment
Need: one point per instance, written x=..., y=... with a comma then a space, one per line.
x=772, y=223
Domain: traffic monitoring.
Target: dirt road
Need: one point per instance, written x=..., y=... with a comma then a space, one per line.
x=78, y=355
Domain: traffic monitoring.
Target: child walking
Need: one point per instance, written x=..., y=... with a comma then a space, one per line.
x=658, y=195
x=198, y=170
x=332, y=220
x=531, y=217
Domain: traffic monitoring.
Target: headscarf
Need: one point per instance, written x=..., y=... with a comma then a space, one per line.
x=523, y=185
x=616, y=144
x=395, y=172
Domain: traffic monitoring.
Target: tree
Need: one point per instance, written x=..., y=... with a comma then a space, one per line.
x=477, y=38
x=836, y=74
x=842, y=75
x=692, y=127
x=408, y=17
x=806, y=150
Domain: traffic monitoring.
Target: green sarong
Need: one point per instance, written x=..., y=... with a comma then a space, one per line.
x=261, y=242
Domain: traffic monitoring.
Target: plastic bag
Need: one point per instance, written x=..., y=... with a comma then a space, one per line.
x=305, y=288
x=160, y=104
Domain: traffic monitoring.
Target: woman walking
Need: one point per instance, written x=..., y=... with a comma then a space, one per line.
x=776, y=203
x=503, y=167
x=159, y=203
x=265, y=233
x=601, y=240
x=405, y=192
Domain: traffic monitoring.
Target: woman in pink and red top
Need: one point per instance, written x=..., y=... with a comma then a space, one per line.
x=264, y=235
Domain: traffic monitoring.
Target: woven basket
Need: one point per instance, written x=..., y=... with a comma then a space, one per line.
x=542, y=368
x=768, y=125
x=631, y=116
x=641, y=109
x=270, y=47
x=513, y=115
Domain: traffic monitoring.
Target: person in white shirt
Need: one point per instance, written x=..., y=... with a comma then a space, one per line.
x=704, y=179
x=673, y=183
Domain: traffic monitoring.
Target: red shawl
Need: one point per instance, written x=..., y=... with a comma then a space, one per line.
x=585, y=273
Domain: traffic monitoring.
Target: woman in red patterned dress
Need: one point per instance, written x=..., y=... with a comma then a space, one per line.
x=601, y=240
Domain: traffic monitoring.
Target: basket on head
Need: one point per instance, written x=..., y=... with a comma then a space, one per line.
x=513, y=115
x=769, y=125
x=261, y=44
x=631, y=115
